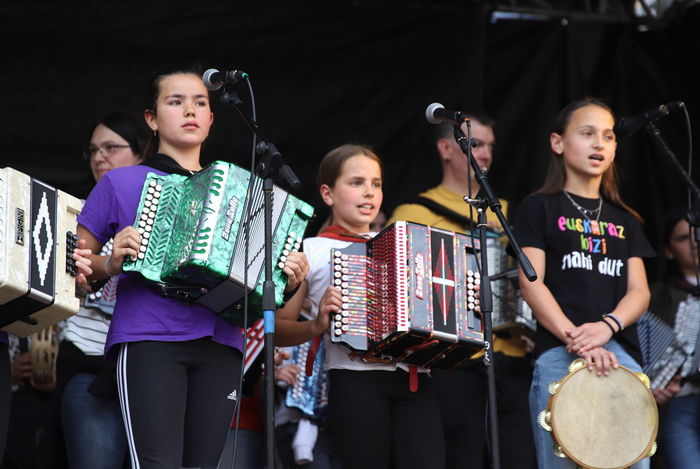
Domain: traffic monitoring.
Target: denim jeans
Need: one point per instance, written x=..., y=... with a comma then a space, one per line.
x=553, y=366
x=93, y=428
x=681, y=434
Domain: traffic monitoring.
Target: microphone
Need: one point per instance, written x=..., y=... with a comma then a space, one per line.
x=630, y=125
x=436, y=113
x=214, y=79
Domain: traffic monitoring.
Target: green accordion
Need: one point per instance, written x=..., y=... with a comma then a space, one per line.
x=193, y=238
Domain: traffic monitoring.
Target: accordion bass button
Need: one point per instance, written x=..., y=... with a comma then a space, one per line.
x=337, y=332
x=140, y=256
x=152, y=183
x=280, y=265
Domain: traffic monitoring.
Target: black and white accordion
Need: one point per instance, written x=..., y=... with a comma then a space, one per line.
x=37, y=239
x=511, y=316
x=409, y=294
x=193, y=238
x=667, y=350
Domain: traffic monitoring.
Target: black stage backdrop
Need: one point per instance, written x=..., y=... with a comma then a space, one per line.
x=327, y=73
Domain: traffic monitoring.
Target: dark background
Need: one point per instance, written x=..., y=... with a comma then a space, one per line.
x=327, y=73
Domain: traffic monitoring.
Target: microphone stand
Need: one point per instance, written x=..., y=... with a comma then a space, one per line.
x=693, y=215
x=488, y=199
x=269, y=168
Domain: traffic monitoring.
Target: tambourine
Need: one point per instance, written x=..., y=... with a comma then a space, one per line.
x=44, y=350
x=601, y=422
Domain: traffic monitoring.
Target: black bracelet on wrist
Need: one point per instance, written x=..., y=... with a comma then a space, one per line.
x=288, y=296
x=609, y=325
x=620, y=327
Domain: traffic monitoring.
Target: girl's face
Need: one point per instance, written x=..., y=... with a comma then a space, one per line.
x=588, y=144
x=182, y=116
x=109, y=150
x=678, y=248
x=356, y=196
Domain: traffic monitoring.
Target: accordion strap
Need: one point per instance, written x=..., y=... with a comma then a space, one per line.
x=166, y=164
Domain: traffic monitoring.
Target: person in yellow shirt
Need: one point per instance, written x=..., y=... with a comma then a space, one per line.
x=462, y=392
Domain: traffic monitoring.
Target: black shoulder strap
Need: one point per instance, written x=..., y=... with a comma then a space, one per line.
x=166, y=164
x=441, y=209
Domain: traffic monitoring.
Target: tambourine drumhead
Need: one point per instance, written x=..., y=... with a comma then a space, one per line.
x=604, y=421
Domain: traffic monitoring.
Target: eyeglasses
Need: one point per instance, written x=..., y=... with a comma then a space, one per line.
x=107, y=150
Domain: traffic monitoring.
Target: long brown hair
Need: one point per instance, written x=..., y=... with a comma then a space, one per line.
x=332, y=167
x=556, y=172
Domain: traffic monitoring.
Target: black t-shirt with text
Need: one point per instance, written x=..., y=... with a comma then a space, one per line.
x=586, y=260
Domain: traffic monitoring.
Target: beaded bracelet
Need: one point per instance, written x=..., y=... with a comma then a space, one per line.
x=107, y=271
x=617, y=320
x=609, y=325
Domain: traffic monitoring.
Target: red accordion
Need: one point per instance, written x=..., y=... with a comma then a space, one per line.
x=409, y=295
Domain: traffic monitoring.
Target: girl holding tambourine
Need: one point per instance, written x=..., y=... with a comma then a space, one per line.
x=587, y=247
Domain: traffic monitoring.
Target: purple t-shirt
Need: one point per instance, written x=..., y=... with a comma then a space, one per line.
x=3, y=338
x=140, y=313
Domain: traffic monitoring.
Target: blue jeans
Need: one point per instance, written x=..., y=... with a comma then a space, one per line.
x=681, y=434
x=553, y=366
x=93, y=428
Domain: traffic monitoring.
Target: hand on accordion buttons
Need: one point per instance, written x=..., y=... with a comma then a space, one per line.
x=330, y=303
x=297, y=268
x=663, y=395
x=126, y=243
x=287, y=374
x=81, y=256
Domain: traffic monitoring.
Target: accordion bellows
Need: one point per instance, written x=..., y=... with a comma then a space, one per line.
x=409, y=294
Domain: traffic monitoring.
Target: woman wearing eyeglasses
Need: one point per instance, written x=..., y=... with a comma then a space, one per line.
x=91, y=417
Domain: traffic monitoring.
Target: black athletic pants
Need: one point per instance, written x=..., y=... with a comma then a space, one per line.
x=177, y=400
